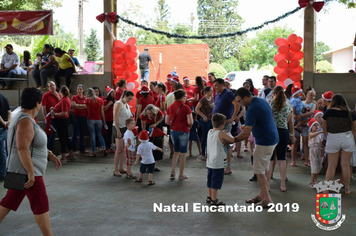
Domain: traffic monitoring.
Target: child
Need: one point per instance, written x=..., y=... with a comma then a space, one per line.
x=193, y=136
x=144, y=150
x=130, y=146
x=315, y=150
x=216, y=153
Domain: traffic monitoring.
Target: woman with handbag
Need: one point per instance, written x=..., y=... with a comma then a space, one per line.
x=61, y=115
x=27, y=162
x=179, y=117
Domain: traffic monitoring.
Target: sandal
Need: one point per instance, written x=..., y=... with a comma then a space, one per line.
x=245, y=149
x=263, y=204
x=203, y=158
x=256, y=199
x=173, y=176
x=130, y=176
x=151, y=183
x=139, y=180
x=293, y=164
x=183, y=177
x=119, y=175
x=123, y=171
x=208, y=200
x=217, y=203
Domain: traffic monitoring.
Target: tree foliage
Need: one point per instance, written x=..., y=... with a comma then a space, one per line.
x=319, y=49
x=218, y=70
x=7, y=5
x=216, y=17
x=325, y=67
x=262, y=49
x=92, y=46
x=348, y=3
x=231, y=64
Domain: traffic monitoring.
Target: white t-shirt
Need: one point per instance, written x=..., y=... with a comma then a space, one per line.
x=10, y=59
x=215, y=151
x=145, y=151
x=130, y=135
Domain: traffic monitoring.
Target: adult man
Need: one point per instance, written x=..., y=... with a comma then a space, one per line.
x=259, y=120
x=5, y=118
x=144, y=58
x=267, y=94
x=50, y=99
x=189, y=89
x=225, y=103
x=265, y=85
x=75, y=60
x=10, y=62
x=168, y=83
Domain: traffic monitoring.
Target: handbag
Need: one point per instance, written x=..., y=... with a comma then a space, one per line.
x=72, y=118
x=14, y=180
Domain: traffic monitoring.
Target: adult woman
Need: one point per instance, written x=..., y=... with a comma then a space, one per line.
x=109, y=115
x=95, y=120
x=64, y=66
x=48, y=67
x=143, y=102
x=61, y=115
x=122, y=112
x=121, y=87
x=80, y=113
x=28, y=155
x=198, y=91
x=98, y=93
x=161, y=98
x=339, y=127
x=252, y=89
x=153, y=85
x=25, y=63
x=205, y=110
x=283, y=117
x=179, y=117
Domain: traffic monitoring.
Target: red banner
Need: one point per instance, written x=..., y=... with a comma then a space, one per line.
x=26, y=22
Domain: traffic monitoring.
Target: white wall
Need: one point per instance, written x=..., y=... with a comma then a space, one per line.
x=343, y=60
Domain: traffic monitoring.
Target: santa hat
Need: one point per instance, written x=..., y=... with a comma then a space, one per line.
x=175, y=79
x=316, y=112
x=227, y=81
x=143, y=136
x=156, y=132
x=108, y=90
x=327, y=96
x=296, y=90
x=144, y=89
x=135, y=131
x=311, y=122
x=185, y=78
x=204, y=79
x=169, y=77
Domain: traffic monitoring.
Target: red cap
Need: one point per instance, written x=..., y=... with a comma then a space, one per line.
x=144, y=89
x=143, y=135
x=296, y=90
x=157, y=133
x=108, y=90
x=327, y=96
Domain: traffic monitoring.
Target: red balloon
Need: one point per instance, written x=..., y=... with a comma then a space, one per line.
x=116, y=81
x=299, y=40
x=295, y=47
x=119, y=43
x=283, y=49
x=124, y=55
x=119, y=60
x=130, y=61
x=296, y=77
x=127, y=74
x=118, y=72
x=282, y=77
x=292, y=38
x=282, y=64
x=278, y=57
x=280, y=83
x=133, y=77
x=132, y=68
x=133, y=54
x=294, y=64
x=134, y=92
x=298, y=84
x=128, y=48
x=288, y=71
x=298, y=55
x=278, y=70
x=118, y=49
x=131, y=41
x=134, y=48
x=281, y=41
x=124, y=66
x=299, y=69
x=289, y=56
x=136, y=84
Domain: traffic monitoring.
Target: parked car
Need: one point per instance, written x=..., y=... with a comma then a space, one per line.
x=237, y=78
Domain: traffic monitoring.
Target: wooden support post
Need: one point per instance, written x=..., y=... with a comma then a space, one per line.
x=108, y=42
x=309, y=46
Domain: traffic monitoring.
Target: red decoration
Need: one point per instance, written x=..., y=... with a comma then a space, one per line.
x=281, y=77
x=294, y=64
x=288, y=71
x=278, y=70
x=295, y=47
x=296, y=77
x=278, y=57
x=316, y=5
x=281, y=41
x=283, y=49
x=292, y=38
x=289, y=56
x=111, y=17
x=298, y=55
x=282, y=64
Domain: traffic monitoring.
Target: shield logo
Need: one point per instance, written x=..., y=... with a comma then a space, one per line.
x=328, y=208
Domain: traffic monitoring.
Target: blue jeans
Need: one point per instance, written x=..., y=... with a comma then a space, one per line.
x=3, y=136
x=10, y=74
x=51, y=137
x=180, y=141
x=78, y=127
x=95, y=129
x=144, y=74
x=40, y=77
x=205, y=127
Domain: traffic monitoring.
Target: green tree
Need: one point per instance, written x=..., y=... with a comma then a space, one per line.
x=6, y=5
x=262, y=49
x=348, y=3
x=319, y=49
x=325, y=67
x=92, y=46
x=217, y=69
x=217, y=17
x=231, y=64
x=162, y=11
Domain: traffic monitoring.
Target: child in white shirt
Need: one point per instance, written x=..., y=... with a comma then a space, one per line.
x=130, y=146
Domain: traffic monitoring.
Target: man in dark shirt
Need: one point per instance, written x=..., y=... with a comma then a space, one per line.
x=144, y=58
x=5, y=117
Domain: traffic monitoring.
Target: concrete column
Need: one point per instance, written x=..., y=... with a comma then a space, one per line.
x=309, y=46
x=108, y=43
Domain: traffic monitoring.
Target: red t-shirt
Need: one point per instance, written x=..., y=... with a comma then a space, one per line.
x=168, y=86
x=94, y=108
x=197, y=91
x=138, y=94
x=190, y=93
x=62, y=106
x=180, y=123
x=155, y=96
x=109, y=113
x=49, y=100
x=118, y=93
x=78, y=100
x=144, y=102
x=161, y=98
x=255, y=91
x=211, y=84
x=152, y=119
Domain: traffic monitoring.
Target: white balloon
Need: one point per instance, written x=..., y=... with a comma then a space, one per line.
x=130, y=86
x=288, y=82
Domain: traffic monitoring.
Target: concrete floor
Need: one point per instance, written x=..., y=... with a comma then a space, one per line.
x=86, y=199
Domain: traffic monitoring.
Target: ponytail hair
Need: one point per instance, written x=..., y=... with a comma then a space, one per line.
x=279, y=99
x=127, y=93
x=59, y=51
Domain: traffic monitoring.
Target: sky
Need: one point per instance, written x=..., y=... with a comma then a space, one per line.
x=335, y=24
